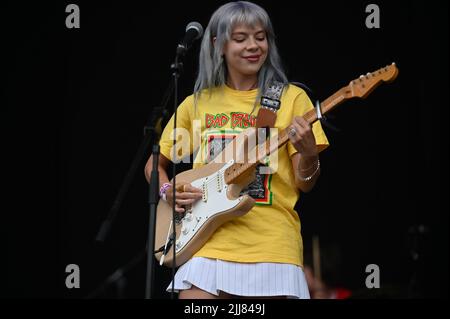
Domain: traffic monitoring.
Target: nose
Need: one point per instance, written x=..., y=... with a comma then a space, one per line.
x=252, y=44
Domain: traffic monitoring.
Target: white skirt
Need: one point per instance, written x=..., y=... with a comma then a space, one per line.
x=242, y=279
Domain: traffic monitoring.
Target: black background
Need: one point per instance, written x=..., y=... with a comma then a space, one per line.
x=76, y=101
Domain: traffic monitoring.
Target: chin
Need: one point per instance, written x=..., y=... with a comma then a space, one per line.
x=251, y=71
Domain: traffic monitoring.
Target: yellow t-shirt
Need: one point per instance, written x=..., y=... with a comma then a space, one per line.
x=270, y=231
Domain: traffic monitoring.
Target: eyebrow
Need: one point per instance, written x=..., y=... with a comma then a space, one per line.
x=245, y=33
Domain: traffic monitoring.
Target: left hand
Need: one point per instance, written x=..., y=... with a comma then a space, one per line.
x=301, y=136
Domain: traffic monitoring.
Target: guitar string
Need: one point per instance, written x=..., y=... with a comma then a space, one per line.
x=261, y=149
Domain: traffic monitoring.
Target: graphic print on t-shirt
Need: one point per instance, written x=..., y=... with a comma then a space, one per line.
x=215, y=141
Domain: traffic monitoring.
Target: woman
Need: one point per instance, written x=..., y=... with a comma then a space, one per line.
x=260, y=254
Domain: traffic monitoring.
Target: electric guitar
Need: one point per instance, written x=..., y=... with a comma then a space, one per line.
x=223, y=179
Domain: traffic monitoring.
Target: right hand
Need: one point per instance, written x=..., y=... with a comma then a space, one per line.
x=186, y=194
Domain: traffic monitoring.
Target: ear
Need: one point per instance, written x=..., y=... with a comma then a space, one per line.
x=214, y=42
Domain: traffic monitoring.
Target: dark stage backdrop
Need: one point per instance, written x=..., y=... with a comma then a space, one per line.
x=75, y=103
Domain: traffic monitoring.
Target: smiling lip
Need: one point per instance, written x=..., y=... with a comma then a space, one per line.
x=252, y=58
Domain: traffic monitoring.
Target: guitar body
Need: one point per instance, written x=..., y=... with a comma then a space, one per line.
x=220, y=204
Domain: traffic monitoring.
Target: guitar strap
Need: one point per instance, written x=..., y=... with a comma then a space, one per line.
x=270, y=104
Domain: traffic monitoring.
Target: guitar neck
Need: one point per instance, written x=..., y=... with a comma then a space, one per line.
x=311, y=116
x=277, y=141
x=360, y=87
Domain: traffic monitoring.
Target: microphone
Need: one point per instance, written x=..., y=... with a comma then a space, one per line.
x=194, y=31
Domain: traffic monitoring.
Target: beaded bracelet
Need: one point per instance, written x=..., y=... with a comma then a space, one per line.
x=306, y=179
x=163, y=190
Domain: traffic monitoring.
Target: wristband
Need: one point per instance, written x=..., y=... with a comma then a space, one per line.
x=163, y=190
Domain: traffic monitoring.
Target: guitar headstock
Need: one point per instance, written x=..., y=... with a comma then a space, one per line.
x=365, y=84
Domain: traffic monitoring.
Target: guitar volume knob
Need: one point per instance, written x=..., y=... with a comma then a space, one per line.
x=184, y=230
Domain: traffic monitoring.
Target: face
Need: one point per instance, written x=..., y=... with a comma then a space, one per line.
x=246, y=50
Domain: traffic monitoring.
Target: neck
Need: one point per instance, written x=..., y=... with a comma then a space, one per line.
x=242, y=82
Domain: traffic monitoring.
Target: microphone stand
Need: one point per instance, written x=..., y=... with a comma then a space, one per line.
x=153, y=201
x=117, y=277
x=155, y=126
x=176, y=68
x=150, y=133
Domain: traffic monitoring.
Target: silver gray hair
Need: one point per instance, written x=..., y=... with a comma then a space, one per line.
x=212, y=70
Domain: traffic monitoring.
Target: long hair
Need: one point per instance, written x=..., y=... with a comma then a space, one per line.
x=212, y=70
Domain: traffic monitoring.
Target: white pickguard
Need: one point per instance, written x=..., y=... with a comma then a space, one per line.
x=214, y=201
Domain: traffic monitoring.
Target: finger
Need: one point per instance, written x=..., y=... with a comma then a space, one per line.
x=183, y=202
x=298, y=129
x=295, y=139
x=298, y=120
x=188, y=195
x=303, y=123
x=292, y=132
x=179, y=209
x=304, y=131
x=191, y=189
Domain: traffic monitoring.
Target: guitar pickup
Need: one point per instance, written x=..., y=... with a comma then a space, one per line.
x=205, y=191
x=219, y=182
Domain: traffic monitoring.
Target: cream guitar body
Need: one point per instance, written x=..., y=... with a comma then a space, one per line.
x=219, y=204
x=221, y=201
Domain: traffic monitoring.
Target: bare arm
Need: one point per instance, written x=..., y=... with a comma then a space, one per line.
x=186, y=196
x=163, y=162
x=304, y=167
x=306, y=162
